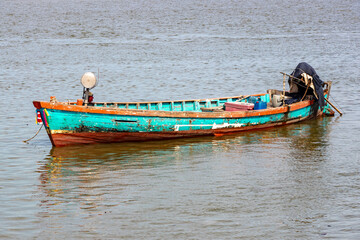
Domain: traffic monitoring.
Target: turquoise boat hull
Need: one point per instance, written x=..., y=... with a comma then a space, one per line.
x=74, y=123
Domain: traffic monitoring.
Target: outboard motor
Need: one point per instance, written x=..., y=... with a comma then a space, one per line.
x=310, y=83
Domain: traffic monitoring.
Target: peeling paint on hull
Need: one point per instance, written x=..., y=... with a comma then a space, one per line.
x=70, y=138
x=72, y=124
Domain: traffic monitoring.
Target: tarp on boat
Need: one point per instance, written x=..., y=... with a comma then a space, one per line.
x=309, y=78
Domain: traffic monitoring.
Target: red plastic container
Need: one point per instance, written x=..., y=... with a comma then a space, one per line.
x=238, y=106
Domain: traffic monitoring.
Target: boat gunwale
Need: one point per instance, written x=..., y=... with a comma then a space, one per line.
x=65, y=106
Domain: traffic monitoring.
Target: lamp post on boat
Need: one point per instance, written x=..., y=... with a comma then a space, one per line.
x=89, y=81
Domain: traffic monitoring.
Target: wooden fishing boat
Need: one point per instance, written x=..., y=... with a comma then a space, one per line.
x=70, y=123
x=82, y=122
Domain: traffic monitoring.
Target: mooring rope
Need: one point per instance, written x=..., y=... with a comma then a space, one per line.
x=337, y=103
x=35, y=134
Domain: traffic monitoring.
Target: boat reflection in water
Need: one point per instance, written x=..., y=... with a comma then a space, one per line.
x=279, y=166
x=306, y=141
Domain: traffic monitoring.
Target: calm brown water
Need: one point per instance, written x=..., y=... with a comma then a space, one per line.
x=296, y=182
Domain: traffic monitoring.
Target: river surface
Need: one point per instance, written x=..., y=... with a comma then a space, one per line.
x=296, y=182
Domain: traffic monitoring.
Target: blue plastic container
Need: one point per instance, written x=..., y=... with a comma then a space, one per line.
x=260, y=105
